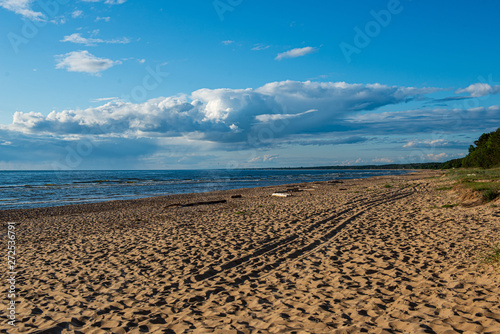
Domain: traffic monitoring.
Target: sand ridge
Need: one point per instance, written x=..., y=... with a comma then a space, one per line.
x=378, y=255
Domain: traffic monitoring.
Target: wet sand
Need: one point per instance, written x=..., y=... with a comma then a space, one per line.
x=377, y=255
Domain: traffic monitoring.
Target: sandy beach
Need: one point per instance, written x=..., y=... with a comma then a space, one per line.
x=377, y=255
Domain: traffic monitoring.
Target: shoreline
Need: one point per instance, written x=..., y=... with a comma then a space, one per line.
x=117, y=203
x=378, y=255
x=86, y=187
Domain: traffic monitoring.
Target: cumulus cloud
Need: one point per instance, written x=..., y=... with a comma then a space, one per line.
x=228, y=42
x=79, y=39
x=22, y=7
x=294, y=53
x=251, y=117
x=84, y=61
x=276, y=115
x=480, y=89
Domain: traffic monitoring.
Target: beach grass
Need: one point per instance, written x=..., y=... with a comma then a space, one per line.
x=483, y=181
x=474, y=173
x=492, y=254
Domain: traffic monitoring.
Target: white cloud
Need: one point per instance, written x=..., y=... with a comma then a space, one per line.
x=108, y=2
x=106, y=99
x=264, y=158
x=83, y=61
x=438, y=143
x=437, y=157
x=228, y=42
x=234, y=128
x=260, y=47
x=142, y=61
x=480, y=89
x=383, y=160
x=76, y=13
x=274, y=112
x=426, y=143
x=348, y=162
x=298, y=52
x=278, y=115
x=79, y=39
x=22, y=7
x=275, y=117
x=58, y=20
x=105, y=19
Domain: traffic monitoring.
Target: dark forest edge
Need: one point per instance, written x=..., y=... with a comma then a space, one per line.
x=485, y=153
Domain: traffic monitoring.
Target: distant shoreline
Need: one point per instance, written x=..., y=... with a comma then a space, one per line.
x=411, y=166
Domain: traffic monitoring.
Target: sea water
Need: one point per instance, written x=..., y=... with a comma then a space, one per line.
x=31, y=189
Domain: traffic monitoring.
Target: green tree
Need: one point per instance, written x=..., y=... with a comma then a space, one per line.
x=486, y=153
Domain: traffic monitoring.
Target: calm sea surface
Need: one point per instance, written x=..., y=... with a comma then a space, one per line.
x=31, y=189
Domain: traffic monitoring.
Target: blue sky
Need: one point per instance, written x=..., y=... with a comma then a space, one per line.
x=124, y=84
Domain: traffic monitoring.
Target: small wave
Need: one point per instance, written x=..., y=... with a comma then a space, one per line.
x=9, y=199
x=98, y=181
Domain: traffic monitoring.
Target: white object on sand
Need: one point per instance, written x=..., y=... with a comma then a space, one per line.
x=281, y=194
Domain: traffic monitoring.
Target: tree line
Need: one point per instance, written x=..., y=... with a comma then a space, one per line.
x=485, y=153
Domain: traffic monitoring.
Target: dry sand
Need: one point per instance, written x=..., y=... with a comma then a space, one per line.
x=335, y=258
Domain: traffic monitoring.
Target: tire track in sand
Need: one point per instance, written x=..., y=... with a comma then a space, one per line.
x=285, y=251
